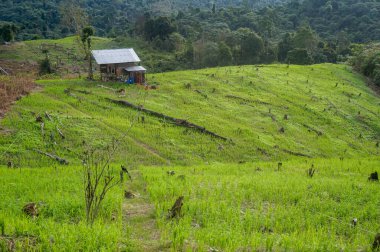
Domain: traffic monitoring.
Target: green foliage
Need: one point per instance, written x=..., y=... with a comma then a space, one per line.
x=358, y=19
x=225, y=54
x=343, y=43
x=171, y=28
x=45, y=66
x=250, y=46
x=206, y=53
x=367, y=61
x=87, y=32
x=304, y=47
x=305, y=38
x=299, y=56
x=160, y=27
x=177, y=42
x=98, y=178
x=7, y=32
x=173, y=43
x=284, y=46
x=186, y=57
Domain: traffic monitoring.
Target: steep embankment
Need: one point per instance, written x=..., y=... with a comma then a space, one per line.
x=269, y=112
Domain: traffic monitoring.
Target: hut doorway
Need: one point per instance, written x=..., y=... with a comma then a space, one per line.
x=136, y=74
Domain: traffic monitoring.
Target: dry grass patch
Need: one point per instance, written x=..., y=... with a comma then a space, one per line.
x=17, y=84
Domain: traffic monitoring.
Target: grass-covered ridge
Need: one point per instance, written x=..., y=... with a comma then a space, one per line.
x=269, y=113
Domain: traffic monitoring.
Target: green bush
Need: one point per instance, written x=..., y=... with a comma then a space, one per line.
x=367, y=61
x=45, y=67
x=299, y=56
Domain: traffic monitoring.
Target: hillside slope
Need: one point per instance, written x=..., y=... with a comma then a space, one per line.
x=267, y=113
x=67, y=57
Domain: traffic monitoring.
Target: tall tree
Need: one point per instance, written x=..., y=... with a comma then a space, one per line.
x=86, y=35
x=299, y=56
x=343, y=42
x=284, y=46
x=8, y=32
x=250, y=46
x=160, y=27
x=306, y=38
x=225, y=54
x=206, y=53
x=73, y=16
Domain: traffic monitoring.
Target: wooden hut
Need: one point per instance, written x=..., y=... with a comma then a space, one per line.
x=119, y=64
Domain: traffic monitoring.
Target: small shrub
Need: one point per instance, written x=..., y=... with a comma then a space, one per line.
x=45, y=67
x=98, y=179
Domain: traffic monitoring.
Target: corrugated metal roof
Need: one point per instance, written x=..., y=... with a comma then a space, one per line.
x=135, y=69
x=115, y=56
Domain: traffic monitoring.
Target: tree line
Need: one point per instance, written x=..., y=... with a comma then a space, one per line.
x=366, y=60
x=269, y=18
x=210, y=43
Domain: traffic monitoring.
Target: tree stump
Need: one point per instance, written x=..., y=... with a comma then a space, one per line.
x=129, y=195
x=30, y=209
x=373, y=177
x=171, y=173
x=125, y=170
x=279, y=165
x=376, y=243
x=175, y=211
x=39, y=119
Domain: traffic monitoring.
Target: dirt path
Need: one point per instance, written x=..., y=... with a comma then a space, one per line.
x=139, y=217
x=139, y=222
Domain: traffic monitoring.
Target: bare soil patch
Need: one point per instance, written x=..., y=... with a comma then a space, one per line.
x=16, y=81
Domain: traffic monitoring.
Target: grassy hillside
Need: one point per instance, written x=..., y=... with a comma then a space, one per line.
x=67, y=56
x=235, y=197
x=268, y=113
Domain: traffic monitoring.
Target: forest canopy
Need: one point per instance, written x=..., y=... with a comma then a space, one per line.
x=359, y=19
x=208, y=33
